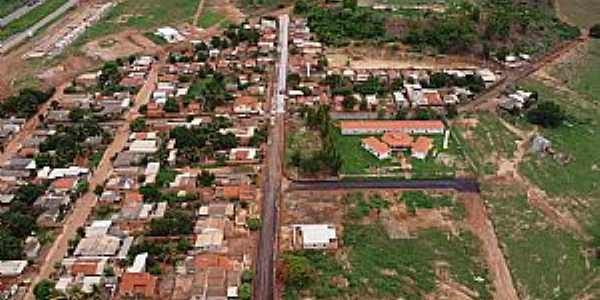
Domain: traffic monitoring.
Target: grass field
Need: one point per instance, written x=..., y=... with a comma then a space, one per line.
x=34, y=16
x=546, y=263
x=378, y=267
x=583, y=13
x=8, y=6
x=487, y=142
x=209, y=18
x=144, y=15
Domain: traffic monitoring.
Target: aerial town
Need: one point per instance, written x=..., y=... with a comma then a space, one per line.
x=306, y=149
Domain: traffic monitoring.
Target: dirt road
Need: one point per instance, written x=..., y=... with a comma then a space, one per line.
x=485, y=101
x=13, y=146
x=478, y=220
x=83, y=207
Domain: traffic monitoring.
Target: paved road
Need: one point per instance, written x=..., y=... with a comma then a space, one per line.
x=18, y=38
x=264, y=283
x=21, y=11
x=83, y=207
x=460, y=185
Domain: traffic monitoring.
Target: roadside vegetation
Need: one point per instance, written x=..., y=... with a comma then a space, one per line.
x=25, y=104
x=32, y=17
x=9, y=6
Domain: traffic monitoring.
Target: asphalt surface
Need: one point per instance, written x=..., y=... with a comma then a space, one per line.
x=265, y=271
x=460, y=185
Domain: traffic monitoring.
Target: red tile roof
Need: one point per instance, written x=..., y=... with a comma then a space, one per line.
x=422, y=144
x=138, y=284
x=397, y=139
x=376, y=145
x=401, y=124
x=66, y=183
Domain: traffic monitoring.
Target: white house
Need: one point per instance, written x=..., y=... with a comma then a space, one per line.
x=315, y=236
x=366, y=127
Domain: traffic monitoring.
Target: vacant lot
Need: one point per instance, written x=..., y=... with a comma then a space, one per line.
x=486, y=141
x=144, y=15
x=209, y=17
x=8, y=6
x=372, y=265
x=34, y=16
x=546, y=262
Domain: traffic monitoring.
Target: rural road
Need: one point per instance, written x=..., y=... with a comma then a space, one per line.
x=83, y=207
x=513, y=77
x=460, y=185
x=264, y=283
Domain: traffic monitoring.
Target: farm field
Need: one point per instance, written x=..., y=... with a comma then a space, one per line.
x=34, y=16
x=8, y=6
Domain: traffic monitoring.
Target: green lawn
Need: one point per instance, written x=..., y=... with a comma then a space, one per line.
x=546, y=263
x=209, y=18
x=8, y=6
x=358, y=161
x=142, y=15
x=582, y=74
x=34, y=16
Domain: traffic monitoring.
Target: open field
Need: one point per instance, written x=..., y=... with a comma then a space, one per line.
x=132, y=14
x=209, y=17
x=546, y=262
x=486, y=141
x=30, y=18
x=583, y=13
x=8, y=6
x=439, y=259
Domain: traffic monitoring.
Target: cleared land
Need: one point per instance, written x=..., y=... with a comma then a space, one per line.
x=546, y=262
x=486, y=141
x=30, y=18
x=438, y=258
x=133, y=14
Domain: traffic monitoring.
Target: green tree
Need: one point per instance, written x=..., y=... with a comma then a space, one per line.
x=245, y=291
x=546, y=114
x=138, y=125
x=348, y=103
x=44, y=290
x=12, y=247
x=254, y=223
x=171, y=106
x=206, y=178
x=595, y=31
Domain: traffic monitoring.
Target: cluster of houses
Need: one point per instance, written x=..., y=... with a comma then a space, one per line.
x=308, y=62
x=34, y=166
x=516, y=101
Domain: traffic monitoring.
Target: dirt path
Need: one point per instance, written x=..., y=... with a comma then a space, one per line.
x=536, y=197
x=478, y=220
x=83, y=207
x=198, y=12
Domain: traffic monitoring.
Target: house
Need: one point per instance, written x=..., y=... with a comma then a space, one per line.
x=138, y=284
x=364, y=127
x=217, y=210
x=169, y=34
x=139, y=263
x=144, y=146
x=421, y=147
x=12, y=268
x=98, y=246
x=243, y=154
x=209, y=240
x=376, y=147
x=247, y=105
x=314, y=236
x=398, y=141
x=65, y=184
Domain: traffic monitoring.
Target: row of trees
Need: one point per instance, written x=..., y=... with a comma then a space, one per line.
x=25, y=104
x=195, y=144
